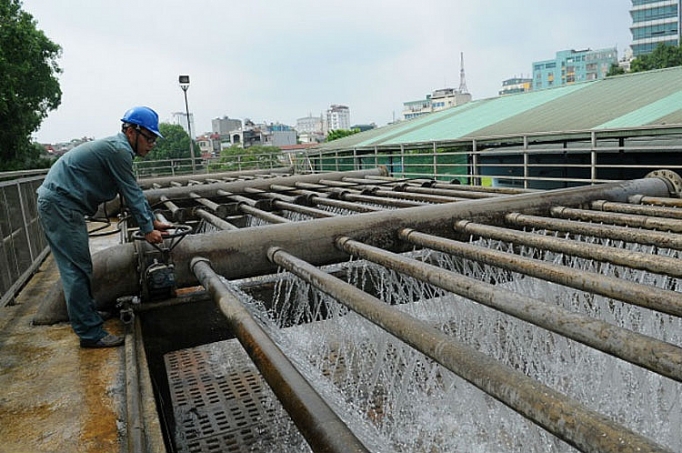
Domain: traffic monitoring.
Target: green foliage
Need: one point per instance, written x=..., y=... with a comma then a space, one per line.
x=29, y=87
x=340, y=133
x=663, y=56
x=173, y=145
x=615, y=70
x=236, y=158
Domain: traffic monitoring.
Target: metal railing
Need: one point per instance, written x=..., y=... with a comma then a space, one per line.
x=513, y=162
x=23, y=245
x=565, y=161
x=177, y=167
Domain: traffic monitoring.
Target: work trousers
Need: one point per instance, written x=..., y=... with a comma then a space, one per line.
x=67, y=235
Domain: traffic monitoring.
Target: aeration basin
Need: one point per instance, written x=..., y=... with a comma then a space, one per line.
x=358, y=312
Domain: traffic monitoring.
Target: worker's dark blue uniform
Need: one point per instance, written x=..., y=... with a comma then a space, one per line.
x=75, y=186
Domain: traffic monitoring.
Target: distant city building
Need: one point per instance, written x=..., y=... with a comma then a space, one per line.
x=438, y=100
x=223, y=126
x=310, y=124
x=280, y=135
x=262, y=135
x=338, y=117
x=516, y=85
x=571, y=66
x=654, y=23
x=180, y=118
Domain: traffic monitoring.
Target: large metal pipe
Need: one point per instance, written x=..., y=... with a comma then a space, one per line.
x=618, y=233
x=567, y=419
x=647, y=296
x=653, y=354
x=635, y=260
x=321, y=427
x=242, y=253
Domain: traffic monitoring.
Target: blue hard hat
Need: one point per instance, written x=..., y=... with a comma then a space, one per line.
x=144, y=117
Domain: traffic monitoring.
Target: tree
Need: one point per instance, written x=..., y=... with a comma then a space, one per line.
x=340, y=133
x=615, y=69
x=173, y=145
x=663, y=56
x=237, y=158
x=29, y=87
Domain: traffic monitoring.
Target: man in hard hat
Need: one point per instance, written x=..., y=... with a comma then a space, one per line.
x=82, y=179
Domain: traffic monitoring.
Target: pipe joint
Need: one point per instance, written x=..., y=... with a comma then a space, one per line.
x=272, y=251
x=196, y=260
x=671, y=179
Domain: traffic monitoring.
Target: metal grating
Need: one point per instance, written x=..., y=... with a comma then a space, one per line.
x=222, y=404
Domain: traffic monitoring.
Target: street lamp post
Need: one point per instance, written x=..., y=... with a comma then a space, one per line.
x=184, y=84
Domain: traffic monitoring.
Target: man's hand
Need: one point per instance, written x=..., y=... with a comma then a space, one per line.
x=161, y=226
x=156, y=235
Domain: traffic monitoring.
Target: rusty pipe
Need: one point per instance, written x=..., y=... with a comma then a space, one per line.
x=650, y=353
x=450, y=193
x=619, y=233
x=631, y=220
x=318, y=423
x=148, y=183
x=219, y=209
x=656, y=201
x=344, y=193
x=316, y=198
x=177, y=212
x=237, y=187
x=636, y=260
x=251, y=207
x=287, y=203
x=214, y=220
x=626, y=208
x=651, y=297
x=566, y=418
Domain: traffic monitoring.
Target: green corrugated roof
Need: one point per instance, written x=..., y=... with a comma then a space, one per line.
x=629, y=101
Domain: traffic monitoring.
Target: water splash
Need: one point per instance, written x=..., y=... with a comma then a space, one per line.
x=396, y=399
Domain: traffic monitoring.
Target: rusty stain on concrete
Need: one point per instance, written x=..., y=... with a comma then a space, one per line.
x=55, y=396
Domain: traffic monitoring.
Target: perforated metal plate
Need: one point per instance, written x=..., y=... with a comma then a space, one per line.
x=222, y=404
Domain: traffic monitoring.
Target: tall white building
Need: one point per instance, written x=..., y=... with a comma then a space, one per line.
x=180, y=118
x=310, y=124
x=338, y=117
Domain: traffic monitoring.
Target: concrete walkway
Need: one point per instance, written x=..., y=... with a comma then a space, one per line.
x=55, y=396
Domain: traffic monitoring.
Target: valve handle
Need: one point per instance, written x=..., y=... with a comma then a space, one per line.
x=177, y=232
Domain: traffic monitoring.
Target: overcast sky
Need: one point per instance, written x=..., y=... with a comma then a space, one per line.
x=276, y=61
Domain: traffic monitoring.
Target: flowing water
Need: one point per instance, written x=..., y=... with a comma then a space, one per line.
x=396, y=399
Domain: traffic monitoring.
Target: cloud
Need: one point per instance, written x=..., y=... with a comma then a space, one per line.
x=280, y=61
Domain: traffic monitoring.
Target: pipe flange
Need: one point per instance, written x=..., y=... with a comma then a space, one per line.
x=671, y=178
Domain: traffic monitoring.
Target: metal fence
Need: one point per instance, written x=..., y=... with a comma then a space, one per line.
x=565, y=160
x=23, y=245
